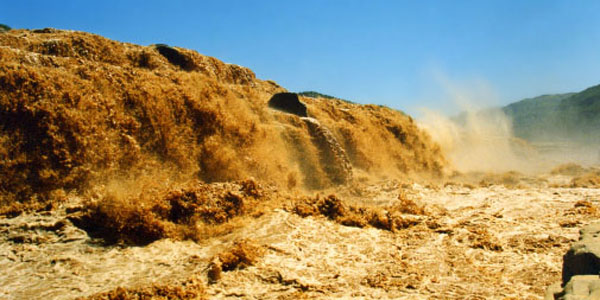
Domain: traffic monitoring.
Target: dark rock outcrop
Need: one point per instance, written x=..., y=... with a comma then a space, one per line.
x=581, y=268
x=288, y=102
x=584, y=256
x=45, y=30
x=175, y=57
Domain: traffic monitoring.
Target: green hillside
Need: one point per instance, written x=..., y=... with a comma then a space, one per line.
x=580, y=113
x=313, y=94
x=570, y=116
x=533, y=116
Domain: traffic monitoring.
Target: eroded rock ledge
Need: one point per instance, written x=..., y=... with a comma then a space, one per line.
x=581, y=268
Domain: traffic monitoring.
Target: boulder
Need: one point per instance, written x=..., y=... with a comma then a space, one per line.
x=553, y=291
x=288, y=102
x=583, y=258
x=580, y=287
x=581, y=269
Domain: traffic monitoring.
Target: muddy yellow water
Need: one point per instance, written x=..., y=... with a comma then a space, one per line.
x=482, y=243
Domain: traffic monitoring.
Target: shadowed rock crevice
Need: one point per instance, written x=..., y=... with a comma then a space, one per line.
x=583, y=258
x=580, y=261
x=288, y=102
x=175, y=57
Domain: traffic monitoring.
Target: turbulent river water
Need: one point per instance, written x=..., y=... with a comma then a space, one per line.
x=482, y=242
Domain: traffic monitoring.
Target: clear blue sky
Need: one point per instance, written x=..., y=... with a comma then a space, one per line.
x=384, y=52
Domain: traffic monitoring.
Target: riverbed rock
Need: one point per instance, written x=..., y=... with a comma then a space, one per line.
x=580, y=287
x=581, y=268
x=583, y=258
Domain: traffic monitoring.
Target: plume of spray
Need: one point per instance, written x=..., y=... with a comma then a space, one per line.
x=477, y=140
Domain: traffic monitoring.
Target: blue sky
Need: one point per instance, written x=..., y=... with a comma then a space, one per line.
x=403, y=54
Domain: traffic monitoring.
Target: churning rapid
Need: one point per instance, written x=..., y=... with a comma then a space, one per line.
x=134, y=172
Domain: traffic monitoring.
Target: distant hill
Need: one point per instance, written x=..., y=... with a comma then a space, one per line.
x=580, y=114
x=532, y=116
x=4, y=28
x=314, y=94
x=558, y=117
